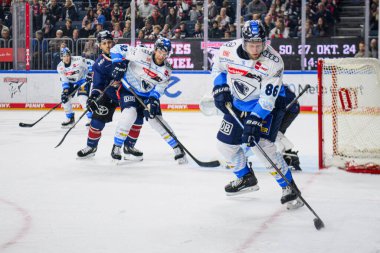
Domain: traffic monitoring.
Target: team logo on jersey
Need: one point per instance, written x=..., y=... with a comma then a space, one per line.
x=102, y=110
x=226, y=127
x=244, y=89
x=226, y=53
x=153, y=75
x=15, y=84
x=260, y=66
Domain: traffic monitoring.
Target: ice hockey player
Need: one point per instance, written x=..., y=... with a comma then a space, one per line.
x=73, y=72
x=148, y=74
x=248, y=73
x=104, y=109
x=284, y=145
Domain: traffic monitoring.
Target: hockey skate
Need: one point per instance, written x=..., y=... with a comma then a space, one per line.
x=180, y=155
x=291, y=158
x=295, y=204
x=115, y=153
x=69, y=122
x=132, y=154
x=87, y=152
x=245, y=184
x=288, y=194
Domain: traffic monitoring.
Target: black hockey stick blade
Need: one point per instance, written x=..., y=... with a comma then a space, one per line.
x=26, y=124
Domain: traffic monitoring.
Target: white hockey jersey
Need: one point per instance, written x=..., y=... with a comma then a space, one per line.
x=254, y=84
x=143, y=75
x=73, y=74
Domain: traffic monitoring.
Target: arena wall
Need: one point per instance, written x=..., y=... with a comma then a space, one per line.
x=42, y=89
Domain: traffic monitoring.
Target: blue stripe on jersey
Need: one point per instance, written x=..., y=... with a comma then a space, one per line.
x=282, y=92
x=220, y=79
x=65, y=85
x=116, y=57
x=155, y=94
x=260, y=112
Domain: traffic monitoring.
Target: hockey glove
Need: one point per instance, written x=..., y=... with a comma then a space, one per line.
x=153, y=105
x=119, y=70
x=92, y=105
x=252, y=130
x=65, y=96
x=222, y=95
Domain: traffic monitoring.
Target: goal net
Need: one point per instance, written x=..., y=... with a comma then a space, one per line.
x=349, y=114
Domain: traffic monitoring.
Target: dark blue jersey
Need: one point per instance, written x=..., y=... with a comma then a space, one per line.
x=103, y=76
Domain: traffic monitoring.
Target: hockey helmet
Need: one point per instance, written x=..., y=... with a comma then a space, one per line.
x=65, y=51
x=103, y=35
x=254, y=31
x=163, y=44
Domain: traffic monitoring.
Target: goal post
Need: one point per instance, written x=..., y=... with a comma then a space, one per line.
x=349, y=114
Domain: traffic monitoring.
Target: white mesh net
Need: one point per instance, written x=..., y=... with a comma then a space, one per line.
x=351, y=111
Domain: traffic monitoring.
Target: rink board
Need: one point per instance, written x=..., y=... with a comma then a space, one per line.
x=42, y=89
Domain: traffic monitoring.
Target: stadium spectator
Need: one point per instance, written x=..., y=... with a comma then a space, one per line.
x=156, y=32
x=145, y=9
x=212, y=10
x=172, y=19
x=361, y=52
x=116, y=32
x=325, y=14
x=141, y=35
x=162, y=8
x=90, y=51
x=309, y=29
x=147, y=29
x=183, y=30
x=279, y=31
x=86, y=31
x=116, y=13
x=224, y=20
x=69, y=11
x=39, y=46
x=198, y=33
x=6, y=35
x=268, y=24
x=91, y=17
x=215, y=32
x=101, y=18
x=321, y=29
x=165, y=32
x=181, y=8
x=256, y=6
x=2, y=26
x=232, y=30
x=177, y=34
x=55, y=10
x=98, y=28
x=155, y=18
x=127, y=29
x=68, y=28
x=40, y=20
x=373, y=51
x=75, y=39
x=48, y=30
x=194, y=13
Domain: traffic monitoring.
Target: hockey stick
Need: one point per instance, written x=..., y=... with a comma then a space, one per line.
x=52, y=109
x=307, y=86
x=200, y=163
x=81, y=116
x=318, y=223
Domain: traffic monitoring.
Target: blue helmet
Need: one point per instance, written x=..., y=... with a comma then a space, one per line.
x=254, y=31
x=163, y=44
x=65, y=51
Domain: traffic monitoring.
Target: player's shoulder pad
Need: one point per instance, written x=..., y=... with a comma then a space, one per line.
x=272, y=55
x=168, y=65
x=60, y=67
x=144, y=49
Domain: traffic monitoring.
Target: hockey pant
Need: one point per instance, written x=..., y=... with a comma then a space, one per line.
x=82, y=94
x=229, y=145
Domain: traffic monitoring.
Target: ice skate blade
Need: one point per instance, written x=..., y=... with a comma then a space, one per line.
x=130, y=157
x=182, y=160
x=86, y=157
x=67, y=127
x=295, y=204
x=245, y=190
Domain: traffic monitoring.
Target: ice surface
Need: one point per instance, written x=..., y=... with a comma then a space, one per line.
x=52, y=203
